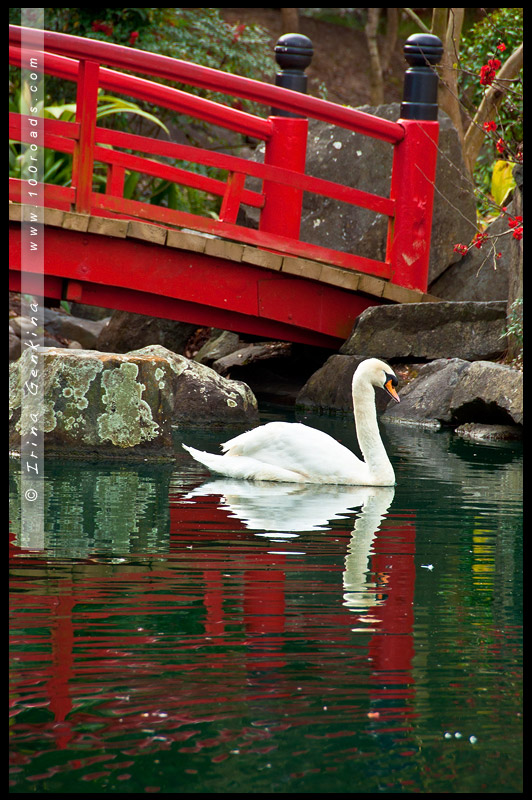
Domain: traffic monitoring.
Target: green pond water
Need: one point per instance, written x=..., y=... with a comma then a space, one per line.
x=173, y=632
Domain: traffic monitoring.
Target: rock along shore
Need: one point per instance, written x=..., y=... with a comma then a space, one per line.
x=106, y=405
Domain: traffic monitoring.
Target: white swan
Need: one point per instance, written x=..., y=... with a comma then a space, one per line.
x=296, y=453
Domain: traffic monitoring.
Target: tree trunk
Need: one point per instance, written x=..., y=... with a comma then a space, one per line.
x=375, y=74
x=290, y=20
x=448, y=87
x=439, y=23
x=474, y=138
x=392, y=27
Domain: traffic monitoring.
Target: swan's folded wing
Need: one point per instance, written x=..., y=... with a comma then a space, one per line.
x=243, y=467
x=295, y=447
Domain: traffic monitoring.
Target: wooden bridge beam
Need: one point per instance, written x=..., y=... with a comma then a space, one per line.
x=152, y=270
x=191, y=287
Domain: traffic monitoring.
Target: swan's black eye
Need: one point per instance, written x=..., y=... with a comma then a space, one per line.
x=391, y=378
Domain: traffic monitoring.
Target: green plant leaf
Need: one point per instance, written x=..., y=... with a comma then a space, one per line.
x=56, y=112
x=107, y=111
x=130, y=184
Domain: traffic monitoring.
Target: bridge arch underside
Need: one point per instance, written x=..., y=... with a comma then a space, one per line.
x=206, y=290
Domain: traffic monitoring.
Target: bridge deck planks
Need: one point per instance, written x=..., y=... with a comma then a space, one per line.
x=230, y=250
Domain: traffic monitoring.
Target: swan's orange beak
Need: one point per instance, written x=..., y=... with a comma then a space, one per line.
x=391, y=390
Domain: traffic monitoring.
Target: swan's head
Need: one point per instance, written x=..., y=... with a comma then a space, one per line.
x=377, y=373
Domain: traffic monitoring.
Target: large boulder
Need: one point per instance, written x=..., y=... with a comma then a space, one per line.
x=59, y=329
x=126, y=331
x=454, y=392
x=362, y=162
x=426, y=331
x=274, y=370
x=493, y=271
x=329, y=388
x=108, y=405
x=481, y=274
x=200, y=395
x=427, y=399
x=445, y=392
x=489, y=392
x=78, y=329
x=91, y=404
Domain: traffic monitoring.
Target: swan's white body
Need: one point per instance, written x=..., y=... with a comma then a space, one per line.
x=296, y=453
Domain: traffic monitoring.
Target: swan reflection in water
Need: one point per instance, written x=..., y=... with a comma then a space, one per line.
x=282, y=511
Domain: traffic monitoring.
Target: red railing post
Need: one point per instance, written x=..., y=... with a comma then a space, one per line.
x=287, y=146
x=232, y=197
x=86, y=106
x=414, y=166
x=115, y=180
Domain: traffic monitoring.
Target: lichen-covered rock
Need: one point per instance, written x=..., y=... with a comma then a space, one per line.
x=90, y=404
x=107, y=405
x=199, y=394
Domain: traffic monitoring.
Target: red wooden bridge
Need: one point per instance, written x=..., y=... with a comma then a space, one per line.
x=101, y=248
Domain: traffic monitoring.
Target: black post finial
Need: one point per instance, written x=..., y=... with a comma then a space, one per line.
x=420, y=92
x=293, y=53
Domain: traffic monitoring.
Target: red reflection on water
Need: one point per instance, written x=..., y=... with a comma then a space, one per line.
x=85, y=662
x=393, y=562
x=62, y=659
x=391, y=648
x=263, y=578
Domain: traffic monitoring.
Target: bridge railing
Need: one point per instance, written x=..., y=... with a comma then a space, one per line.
x=414, y=138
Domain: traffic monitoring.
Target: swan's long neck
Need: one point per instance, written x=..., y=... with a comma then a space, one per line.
x=368, y=433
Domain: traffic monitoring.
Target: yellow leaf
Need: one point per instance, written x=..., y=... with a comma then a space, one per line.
x=502, y=181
